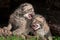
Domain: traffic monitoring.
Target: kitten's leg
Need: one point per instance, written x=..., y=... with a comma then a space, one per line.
x=49, y=36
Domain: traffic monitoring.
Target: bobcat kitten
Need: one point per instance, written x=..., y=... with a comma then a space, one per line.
x=41, y=28
x=21, y=19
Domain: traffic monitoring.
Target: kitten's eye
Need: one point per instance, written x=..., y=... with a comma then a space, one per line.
x=41, y=26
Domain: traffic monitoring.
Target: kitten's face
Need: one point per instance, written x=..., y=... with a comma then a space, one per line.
x=37, y=23
x=28, y=11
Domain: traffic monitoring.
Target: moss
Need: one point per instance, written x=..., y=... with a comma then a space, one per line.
x=20, y=38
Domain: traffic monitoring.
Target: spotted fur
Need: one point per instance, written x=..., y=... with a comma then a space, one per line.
x=4, y=32
x=43, y=31
x=20, y=23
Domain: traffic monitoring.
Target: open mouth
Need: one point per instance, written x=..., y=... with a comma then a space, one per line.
x=30, y=16
x=35, y=26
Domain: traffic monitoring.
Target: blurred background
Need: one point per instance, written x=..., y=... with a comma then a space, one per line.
x=50, y=9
